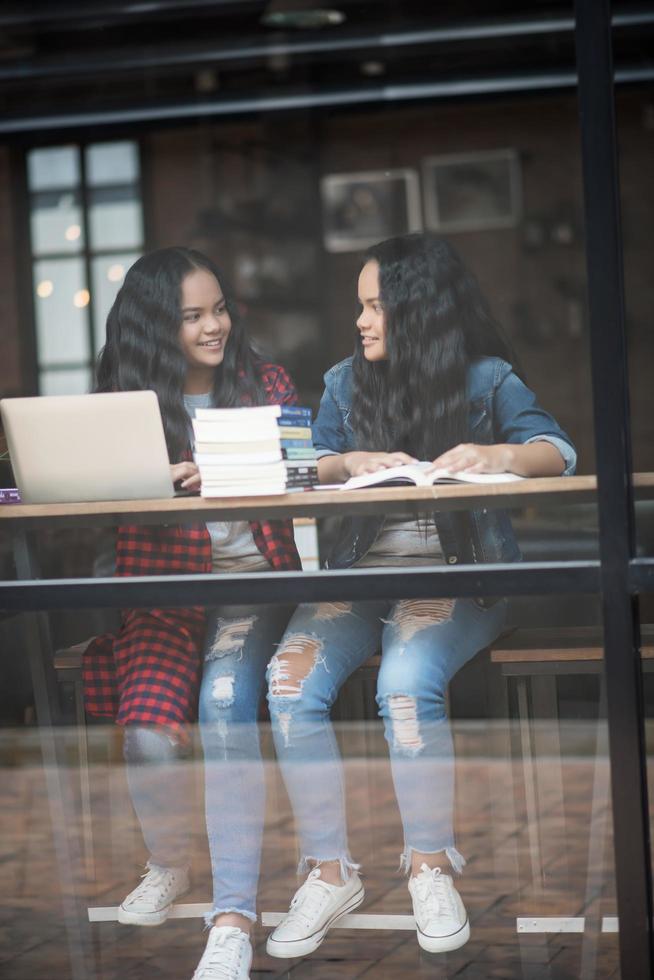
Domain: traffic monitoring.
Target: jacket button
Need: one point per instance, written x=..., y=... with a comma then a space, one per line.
x=452, y=560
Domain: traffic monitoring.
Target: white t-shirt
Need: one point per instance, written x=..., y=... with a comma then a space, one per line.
x=403, y=541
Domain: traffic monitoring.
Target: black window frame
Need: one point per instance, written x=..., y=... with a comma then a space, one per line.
x=619, y=576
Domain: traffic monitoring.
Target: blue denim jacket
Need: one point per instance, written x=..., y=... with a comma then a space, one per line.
x=502, y=410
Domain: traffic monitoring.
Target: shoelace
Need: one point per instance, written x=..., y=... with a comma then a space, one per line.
x=227, y=944
x=433, y=890
x=308, y=900
x=155, y=880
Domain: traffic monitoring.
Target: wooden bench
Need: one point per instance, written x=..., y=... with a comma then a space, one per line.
x=531, y=661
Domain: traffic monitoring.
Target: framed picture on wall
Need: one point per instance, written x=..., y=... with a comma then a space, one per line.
x=472, y=191
x=360, y=209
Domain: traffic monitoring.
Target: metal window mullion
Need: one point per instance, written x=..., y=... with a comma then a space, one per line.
x=615, y=497
x=86, y=255
x=54, y=256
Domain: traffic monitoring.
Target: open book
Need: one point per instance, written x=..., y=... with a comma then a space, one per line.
x=415, y=473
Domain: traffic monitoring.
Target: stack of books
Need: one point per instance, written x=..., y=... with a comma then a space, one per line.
x=9, y=495
x=297, y=448
x=243, y=452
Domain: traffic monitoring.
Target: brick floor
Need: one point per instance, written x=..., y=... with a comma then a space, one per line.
x=492, y=832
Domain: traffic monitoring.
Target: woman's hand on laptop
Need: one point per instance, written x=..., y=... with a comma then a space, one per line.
x=187, y=474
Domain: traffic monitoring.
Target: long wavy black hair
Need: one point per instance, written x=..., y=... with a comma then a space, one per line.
x=437, y=321
x=142, y=349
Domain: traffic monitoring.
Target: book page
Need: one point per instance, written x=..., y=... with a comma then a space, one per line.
x=444, y=476
x=407, y=473
x=414, y=473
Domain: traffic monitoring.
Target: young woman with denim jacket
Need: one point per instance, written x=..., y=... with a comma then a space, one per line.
x=430, y=379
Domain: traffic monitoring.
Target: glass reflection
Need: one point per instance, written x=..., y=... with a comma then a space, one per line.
x=56, y=222
x=74, y=382
x=112, y=163
x=115, y=218
x=61, y=307
x=53, y=168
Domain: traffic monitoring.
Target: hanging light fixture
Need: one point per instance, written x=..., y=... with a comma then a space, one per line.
x=301, y=15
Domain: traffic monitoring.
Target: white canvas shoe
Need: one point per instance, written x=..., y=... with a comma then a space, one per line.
x=315, y=907
x=152, y=900
x=441, y=919
x=227, y=956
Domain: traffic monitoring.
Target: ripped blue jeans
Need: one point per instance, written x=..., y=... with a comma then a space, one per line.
x=240, y=642
x=423, y=644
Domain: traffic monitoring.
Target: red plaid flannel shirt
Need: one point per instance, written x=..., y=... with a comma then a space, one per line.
x=149, y=673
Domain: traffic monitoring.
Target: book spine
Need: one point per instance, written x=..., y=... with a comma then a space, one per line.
x=230, y=432
x=240, y=413
x=301, y=474
x=9, y=495
x=295, y=432
x=304, y=482
x=239, y=492
x=236, y=458
x=308, y=454
x=238, y=448
x=299, y=466
x=227, y=476
x=294, y=412
x=297, y=444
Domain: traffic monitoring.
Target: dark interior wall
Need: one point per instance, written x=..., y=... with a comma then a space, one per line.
x=537, y=291
x=248, y=192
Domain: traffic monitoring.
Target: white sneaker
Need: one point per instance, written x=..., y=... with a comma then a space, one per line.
x=150, y=902
x=228, y=955
x=315, y=907
x=441, y=919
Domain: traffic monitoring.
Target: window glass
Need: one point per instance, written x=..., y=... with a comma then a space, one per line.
x=56, y=222
x=115, y=219
x=53, y=168
x=61, y=300
x=112, y=163
x=75, y=382
x=72, y=296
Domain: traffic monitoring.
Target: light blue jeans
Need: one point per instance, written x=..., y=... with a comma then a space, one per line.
x=156, y=760
x=423, y=644
x=240, y=642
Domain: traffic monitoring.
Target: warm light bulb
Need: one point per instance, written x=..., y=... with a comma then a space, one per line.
x=45, y=288
x=81, y=298
x=116, y=273
x=72, y=233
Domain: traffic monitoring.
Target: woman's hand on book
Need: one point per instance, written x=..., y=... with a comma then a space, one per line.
x=187, y=473
x=469, y=458
x=538, y=458
x=358, y=463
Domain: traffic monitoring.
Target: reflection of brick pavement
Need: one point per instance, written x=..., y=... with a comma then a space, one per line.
x=491, y=833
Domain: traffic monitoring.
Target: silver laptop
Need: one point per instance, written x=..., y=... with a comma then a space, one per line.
x=73, y=448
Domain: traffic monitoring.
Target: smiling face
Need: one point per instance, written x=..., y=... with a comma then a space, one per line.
x=372, y=320
x=205, y=329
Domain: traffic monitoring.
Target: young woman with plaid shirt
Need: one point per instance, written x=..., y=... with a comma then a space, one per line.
x=173, y=329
